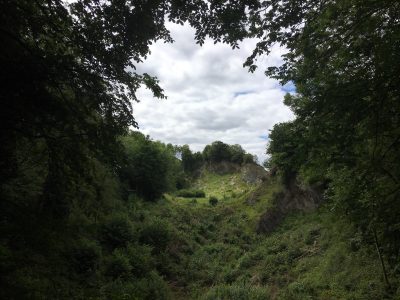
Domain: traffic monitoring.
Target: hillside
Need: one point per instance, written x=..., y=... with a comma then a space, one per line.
x=215, y=252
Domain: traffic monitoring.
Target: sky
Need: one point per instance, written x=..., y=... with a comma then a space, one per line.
x=210, y=95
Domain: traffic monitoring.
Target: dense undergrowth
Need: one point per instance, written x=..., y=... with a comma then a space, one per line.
x=214, y=252
x=186, y=248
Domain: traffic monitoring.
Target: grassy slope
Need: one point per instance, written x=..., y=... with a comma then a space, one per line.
x=217, y=255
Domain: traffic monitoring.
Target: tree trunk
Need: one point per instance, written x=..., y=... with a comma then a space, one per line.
x=381, y=259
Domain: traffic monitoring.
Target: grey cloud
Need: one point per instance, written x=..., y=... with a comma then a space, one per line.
x=222, y=124
x=202, y=106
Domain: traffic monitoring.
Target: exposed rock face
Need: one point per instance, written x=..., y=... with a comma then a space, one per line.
x=250, y=173
x=224, y=167
x=253, y=174
x=292, y=198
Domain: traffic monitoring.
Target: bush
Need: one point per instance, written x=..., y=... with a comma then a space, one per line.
x=85, y=257
x=140, y=260
x=191, y=194
x=200, y=194
x=237, y=291
x=118, y=266
x=156, y=235
x=213, y=201
x=116, y=231
x=153, y=287
x=150, y=287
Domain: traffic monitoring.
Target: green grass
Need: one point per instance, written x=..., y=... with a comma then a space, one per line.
x=214, y=252
x=228, y=189
x=224, y=187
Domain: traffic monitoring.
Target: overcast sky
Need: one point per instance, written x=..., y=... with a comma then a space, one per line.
x=210, y=95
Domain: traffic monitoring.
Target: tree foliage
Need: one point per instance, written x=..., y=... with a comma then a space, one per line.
x=219, y=151
x=68, y=82
x=191, y=162
x=69, y=78
x=151, y=168
x=343, y=58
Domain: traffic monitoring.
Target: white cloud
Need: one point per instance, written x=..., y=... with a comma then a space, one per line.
x=210, y=95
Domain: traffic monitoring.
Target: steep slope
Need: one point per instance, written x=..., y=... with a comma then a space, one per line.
x=291, y=198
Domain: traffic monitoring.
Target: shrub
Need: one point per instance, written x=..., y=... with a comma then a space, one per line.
x=118, y=266
x=156, y=234
x=140, y=259
x=237, y=291
x=213, y=201
x=150, y=287
x=116, y=231
x=200, y=194
x=85, y=257
x=191, y=194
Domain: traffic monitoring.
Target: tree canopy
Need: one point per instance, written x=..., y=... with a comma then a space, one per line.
x=219, y=151
x=343, y=57
x=68, y=72
x=151, y=168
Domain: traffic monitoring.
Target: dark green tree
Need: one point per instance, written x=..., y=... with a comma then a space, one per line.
x=68, y=82
x=191, y=162
x=237, y=153
x=343, y=57
x=217, y=152
x=146, y=169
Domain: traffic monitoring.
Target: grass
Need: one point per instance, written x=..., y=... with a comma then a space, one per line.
x=224, y=187
x=215, y=253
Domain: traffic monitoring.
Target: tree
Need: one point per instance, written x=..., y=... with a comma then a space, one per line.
x=217, y=152
x=237, y=153
x=343, y=57
x=191, y=161
x=285, y=148
x=147, y=167
x=68, y=80
x=68, y=73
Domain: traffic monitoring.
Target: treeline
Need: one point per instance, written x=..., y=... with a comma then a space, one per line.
x=152, y=168
x=214, y=153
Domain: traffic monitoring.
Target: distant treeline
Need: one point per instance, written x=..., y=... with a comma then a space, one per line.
x=153, y=167
x=214, y=153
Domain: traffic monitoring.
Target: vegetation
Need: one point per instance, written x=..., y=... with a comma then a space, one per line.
x=346, y=132
x=151, y=168
x=214, y=253
x=92, y=210
x=213, y=200
x=219, y=151
x=191, y=193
